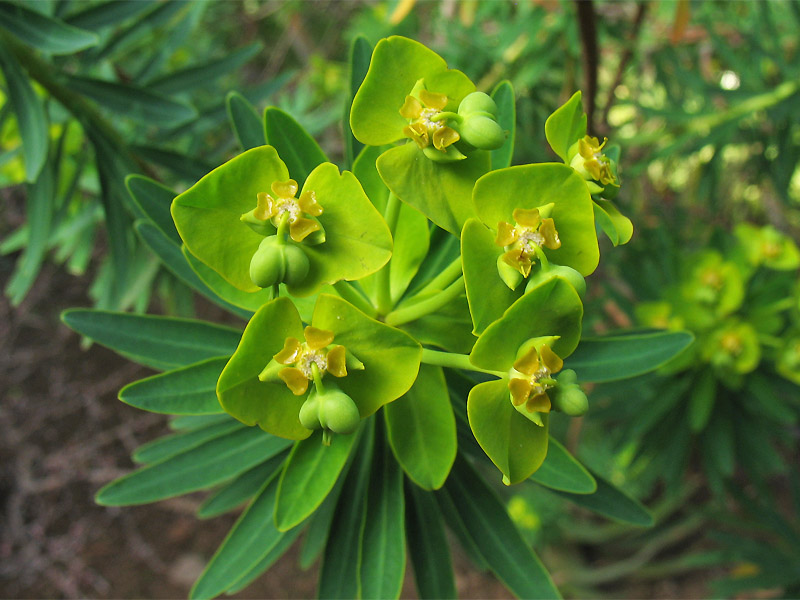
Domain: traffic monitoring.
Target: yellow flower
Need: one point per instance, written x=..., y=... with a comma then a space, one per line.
x=284, y=205
x=522, y=240
x=595, y=163
x=428, y=123
x=530, y=378
x=303, y=358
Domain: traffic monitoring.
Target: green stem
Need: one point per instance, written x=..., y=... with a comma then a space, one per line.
x=283, y=225
x=348, y=292
x=447, y=115
x=425, y=307
x=542, y=258
x=448, y=275
x=453, y=361
x=317, y=380
x=390, y=215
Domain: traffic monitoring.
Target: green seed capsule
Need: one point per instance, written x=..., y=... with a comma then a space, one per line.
x=309, y=413
x=477, y=102
x=337, y=411
x=482, y=132
x=276, y=262
x=567, y=396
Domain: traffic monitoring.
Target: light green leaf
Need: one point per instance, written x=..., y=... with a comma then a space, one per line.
x=245, y=121
x=440, y=191
x=187, y=391
x=566, y=126
x=620, y=357
x=383, y=548
x=428, y=546
x=138, y=104
x=516, y=445
x=308, y=477
x=558, y=311
x=612, y=503
x=251, y=538
x=503, y=95
x=560, y=471
x=422, y=429
x=31, y=118
x=499, y=193
x=509, y=556
x=397, y=64
x=295, y=146
x=614, y=224
x=195, y=469
x=44, y=33
x=241, y=488
x=189, y=78
x=447, y=328
x=170, y=445
x=158, y=342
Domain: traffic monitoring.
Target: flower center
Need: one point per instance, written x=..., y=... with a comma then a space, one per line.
x=524, y=239
x=300, y=213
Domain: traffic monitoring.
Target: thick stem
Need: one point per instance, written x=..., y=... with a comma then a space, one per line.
x=390, y=215
x=450, y=273
x=425, y=307
x=453, y=361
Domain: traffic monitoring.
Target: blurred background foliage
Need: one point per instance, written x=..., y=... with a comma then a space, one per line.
x=702, y=98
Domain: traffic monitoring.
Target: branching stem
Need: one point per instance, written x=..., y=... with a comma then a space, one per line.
x=454, y=361
x=425, y=307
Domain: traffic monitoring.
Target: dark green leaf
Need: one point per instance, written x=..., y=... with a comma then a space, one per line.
x=185, y=167
x=286, y=540
x=195, y=469
x=148, y=23
x=503, y=95
x=560, y=471
x=319, y=525
x=108, y=14
x=31, y=118
x=246, y=123
x=154, y=200
x=360, y=54
x=202, y=75
x=192, y=422
x=191, y=390
x=295, y=147
x=612, y=503
x=701, y=400
x=242, y=488
x=170, y=445
x=620, y=357
x=42, y=32
x=159, y=342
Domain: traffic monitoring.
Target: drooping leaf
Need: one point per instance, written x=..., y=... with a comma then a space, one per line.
x=295, y=146
x=613, y=503
x=560, y=471
x=158, y=342
x=194, y=469
x=246, y=123
x=621, y=357
x=191, y=390
x=44, y=33
x=421, y=429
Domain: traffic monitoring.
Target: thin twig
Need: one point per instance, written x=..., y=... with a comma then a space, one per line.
x=588, y=31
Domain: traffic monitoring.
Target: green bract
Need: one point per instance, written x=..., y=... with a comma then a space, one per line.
x=209, y=219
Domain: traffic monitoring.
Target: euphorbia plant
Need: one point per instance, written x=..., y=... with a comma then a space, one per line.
x=406, y=320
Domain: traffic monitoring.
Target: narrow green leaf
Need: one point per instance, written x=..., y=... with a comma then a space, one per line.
x=320, y=523
x=360, y=54
x=295, y=147
x=42, y=32
x=108, y=14
x=339, y=573
x=245, y=121
x=148, y=23
x=202, y=75
x=170, y=445
x=138, y=104
x=39, y=212
x=192, y=422
x=310, y=474
x=191, y=390
x=31, y=118
x=154, y=200
x=184, y=167
x=383, y=548
x=613, y=503
x=159, y=342
x=422, y=429
x=251, y=538
x=509, y=556
x=503, y=95
x=286, y=540
x=241, y=489
x=560, y=471
x=701, y=400
x=620, y=357
x=195, y=469
x=456, y=524
x=427, y=546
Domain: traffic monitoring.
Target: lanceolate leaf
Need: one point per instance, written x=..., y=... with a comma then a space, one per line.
x=560, y=471
x=242, y=488
x=428, y=546
x=509, y=556
x=286, y=540
x=193, y=470
x=612, y=503
x=422, y=429
x=246, y=123
x=154, y=200
x=31, y=118
x=360, y=54
x=309, y=475
x=170, y=445
x=44, y=33
x=625, y=356
x=297, y=149
x=158, y=342
x=108, y=14
x=320, y=523
x=188, y=391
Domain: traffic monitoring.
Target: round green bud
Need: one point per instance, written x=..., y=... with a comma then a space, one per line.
x=569, y=274
x=567, y=396
x=276, y=262
x=477, y=102
x=337, y=411
x=309, y=413
x=482, y=132
x=297, y=264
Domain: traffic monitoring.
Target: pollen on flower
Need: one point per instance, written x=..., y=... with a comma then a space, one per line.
x=427, y=123
x=595, y=162
x=530, y=379
x=522, y=239
x=298, y=211
x=300, y=358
